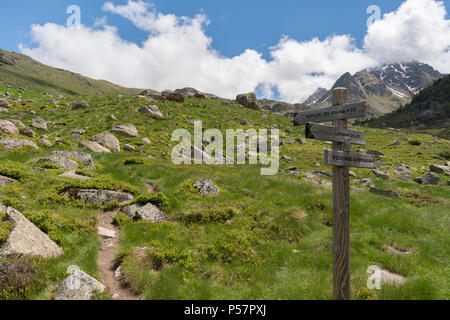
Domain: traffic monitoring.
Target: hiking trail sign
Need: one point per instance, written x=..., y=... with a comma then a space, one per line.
x=341, y=159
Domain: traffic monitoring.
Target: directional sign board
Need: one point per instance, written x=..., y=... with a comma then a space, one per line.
x=321, y=132
x=345, y=111
x=349, y=159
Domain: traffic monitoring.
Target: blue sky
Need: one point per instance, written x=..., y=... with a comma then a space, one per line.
x=235, y=25
x=283, y=49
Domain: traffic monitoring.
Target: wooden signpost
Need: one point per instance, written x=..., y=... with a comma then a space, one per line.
x=341, y=159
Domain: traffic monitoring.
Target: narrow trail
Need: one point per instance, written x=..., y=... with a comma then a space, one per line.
x=107, y=265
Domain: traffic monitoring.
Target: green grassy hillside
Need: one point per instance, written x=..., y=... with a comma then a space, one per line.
x=18, y=70
x=261, y=237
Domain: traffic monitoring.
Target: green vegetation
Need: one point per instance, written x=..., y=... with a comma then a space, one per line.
x=261, y=237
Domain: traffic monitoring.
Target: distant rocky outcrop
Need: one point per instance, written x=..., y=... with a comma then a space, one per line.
x=247, y=100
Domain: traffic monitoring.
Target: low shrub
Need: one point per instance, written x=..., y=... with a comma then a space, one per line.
x=133, y=161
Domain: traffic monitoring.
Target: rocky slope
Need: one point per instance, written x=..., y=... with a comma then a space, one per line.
x=385, y=88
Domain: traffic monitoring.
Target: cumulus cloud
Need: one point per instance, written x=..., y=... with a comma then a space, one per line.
x=178, y=53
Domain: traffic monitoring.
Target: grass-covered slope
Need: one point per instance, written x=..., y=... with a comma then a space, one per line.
x=21, y=71
x=429, y=110
x=261, y=237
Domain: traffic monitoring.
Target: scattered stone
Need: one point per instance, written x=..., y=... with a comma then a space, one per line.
x=402, y=172
x=108, y=140
x=118, y=272
x=146, y=140
x=60, y=162
x=365, y=182
x=28, y=132
x=79, y=105
x=79, y=286
x=439, y=169
x=286, y=158
x=173, y=96
x=380, y=174
x=127, y=130
x=18, y=124
x=395, y=143
x=151, y=109
x=8, y=127
x=264, y=116
x=386, y=193
x=79, y=131
x=206, y=187
x=99, y=196
x=129, y=147
x=152, y=94
x=39, y=123
x=112, y=117
x=11, y=143
x=388, y=277
x=352, y=173
x=322, y=173
x=242, y=121
x=3, y=109
x=300, y=140
x=45, y=142
x=376, y=153
x=4, y=104
x=427, y=179
x=26, y=238
x=93, y=146
x=6, y=181
x=147, y=212
x=247, y=100
x=106, y=233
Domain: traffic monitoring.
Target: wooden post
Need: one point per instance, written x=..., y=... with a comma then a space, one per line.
x=341, y=211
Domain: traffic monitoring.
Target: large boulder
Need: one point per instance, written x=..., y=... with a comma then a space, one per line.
x=247, y=100
x=85, y=158
x=153, y=94
x=152, y=109
x=39, y=123
x=93, y=146
x=6, y=181
x=206, y=187
x=99, y=196
x=4, y=104
x=79, y=286
x=26, y=238
x=10, y=143
x=108, y=140
x=380, y=174
x=429, y=179
x=28, y=132
x=127, y=130
x=60, y=162
x=148, y=212
x=8, y=127
x=173, y=96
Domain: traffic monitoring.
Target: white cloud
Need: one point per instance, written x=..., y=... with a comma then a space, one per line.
x=418, y=30
x=178, y=53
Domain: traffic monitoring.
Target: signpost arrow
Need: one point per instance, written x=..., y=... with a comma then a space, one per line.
x=336, y=112
x=349, y=159
x=321, y=132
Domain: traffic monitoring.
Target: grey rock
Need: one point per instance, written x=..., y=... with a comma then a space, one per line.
x=151, y=109
x=79, y=286
x=3, y=109
x=380, y=174
x=99, y=196
x=129, y=147
x=5, y=181
x=395, y=143
x=18, y=123
x=206, y=187
x=376, y=153
x=39, y=123
x=93, y=146
x=4, y=104
x=45, y=142
x=8, y=127
x=146, y=140
x=85, y=158
x=247, y=100
x=28, y=132
x=108, y=140
x=386, y=193
x=79, y=105
x=106, y=233
x=25, y=238
x=365, y=182
x=300, y=141
x=127, y=130
x=148, y=212
x=429, y=179
x=11, y=143
x=173, y=96
x=61, y=162
x=80, y=131
x=439, y=169
x=71, y=174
